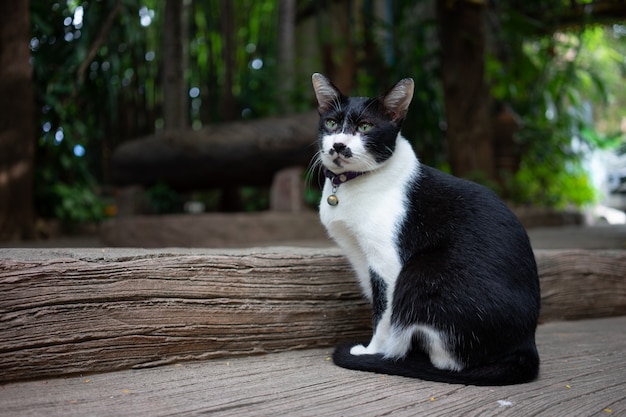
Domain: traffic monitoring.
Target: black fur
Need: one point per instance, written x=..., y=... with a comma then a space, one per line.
x=379, y=297
x=515, y=368
x=468, y=265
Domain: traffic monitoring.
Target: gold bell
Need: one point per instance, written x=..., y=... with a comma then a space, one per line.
x=332, y=200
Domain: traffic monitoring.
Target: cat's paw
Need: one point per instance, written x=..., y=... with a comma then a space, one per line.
x=357, y=350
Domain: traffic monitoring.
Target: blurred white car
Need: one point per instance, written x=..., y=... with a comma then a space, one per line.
x=606, y=215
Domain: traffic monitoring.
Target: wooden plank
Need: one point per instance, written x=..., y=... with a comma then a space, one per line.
x=95, y=310
x=579, y=284
x=582, y=374
x=71, y=314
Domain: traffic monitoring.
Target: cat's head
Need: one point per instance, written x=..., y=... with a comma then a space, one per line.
x=359, y=134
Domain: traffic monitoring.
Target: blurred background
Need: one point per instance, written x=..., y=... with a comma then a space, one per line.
x=118, y=116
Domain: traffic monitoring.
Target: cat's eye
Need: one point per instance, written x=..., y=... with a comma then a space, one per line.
x=330, y=124
x=364, y=127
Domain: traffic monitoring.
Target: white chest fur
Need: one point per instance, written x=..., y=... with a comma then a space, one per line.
x=370, y=210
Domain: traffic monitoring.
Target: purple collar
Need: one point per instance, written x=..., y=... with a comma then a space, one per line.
x=338, y=179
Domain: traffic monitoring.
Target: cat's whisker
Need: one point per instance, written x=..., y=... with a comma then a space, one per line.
x=337, y=104
x=314, y=162
x=314, y=143
x=313, y=170
x=367, y=107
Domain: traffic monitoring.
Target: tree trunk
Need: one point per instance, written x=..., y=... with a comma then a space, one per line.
x=286, y=52
x=466, y=97
x=337, y=46
x=17, y=142
x=174, y=63
x=224, y=155
x=227, y=107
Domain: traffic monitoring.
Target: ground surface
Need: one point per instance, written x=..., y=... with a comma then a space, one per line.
x=564, y=237
x=583, y=373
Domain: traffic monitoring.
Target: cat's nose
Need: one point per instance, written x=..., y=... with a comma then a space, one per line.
x=339, y=147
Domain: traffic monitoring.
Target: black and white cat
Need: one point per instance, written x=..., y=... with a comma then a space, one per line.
x=448, y=268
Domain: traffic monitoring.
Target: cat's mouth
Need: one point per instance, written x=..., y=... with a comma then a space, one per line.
x=341, y=155
x=340, y=151
x=337, y=161
x=340, y=161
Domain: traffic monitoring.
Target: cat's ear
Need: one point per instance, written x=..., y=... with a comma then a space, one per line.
x=396, y=101
x=328, y=96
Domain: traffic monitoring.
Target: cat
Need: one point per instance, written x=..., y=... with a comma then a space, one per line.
x=447, y=267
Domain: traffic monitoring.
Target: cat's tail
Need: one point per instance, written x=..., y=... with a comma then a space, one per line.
x=516, y=368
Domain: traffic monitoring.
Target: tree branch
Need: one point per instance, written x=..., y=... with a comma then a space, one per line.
x=97, y=43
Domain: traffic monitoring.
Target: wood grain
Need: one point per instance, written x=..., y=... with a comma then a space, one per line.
x=72, y=311
x=578, y=284
x=582, y=374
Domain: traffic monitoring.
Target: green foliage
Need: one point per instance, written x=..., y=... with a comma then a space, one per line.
x=547, y=184
x=76, y=204
x=162, y=199
x=72, y=124
x=254, y=198
x=90, y=104
x=410, y=49
x=98, y=87
x=254, y=55
x=555, y=81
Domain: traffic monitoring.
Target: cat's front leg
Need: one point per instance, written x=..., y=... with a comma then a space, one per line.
x=387, y=341
x=352, y=250
x=381, y=316
x=381, y=334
